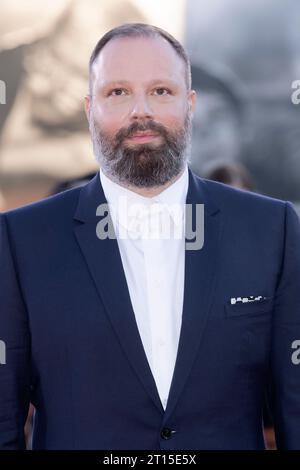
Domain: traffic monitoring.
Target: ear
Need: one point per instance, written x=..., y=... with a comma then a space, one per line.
x=87, y=106
x=192, y=100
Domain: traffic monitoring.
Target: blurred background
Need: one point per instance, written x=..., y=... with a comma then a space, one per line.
x=245, y=57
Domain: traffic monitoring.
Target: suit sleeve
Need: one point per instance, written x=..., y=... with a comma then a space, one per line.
x=14, y=350
x=285, y=346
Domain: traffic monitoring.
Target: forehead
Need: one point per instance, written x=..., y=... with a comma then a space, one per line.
x=138, y=58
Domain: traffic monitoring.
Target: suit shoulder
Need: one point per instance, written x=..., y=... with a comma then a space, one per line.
x=59, y=205
x=227, y=197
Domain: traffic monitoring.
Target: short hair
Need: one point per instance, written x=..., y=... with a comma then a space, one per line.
x=135, y=30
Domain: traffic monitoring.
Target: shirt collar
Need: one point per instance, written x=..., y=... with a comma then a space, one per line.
x=171, y=199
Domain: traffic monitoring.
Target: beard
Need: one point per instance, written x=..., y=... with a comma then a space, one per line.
x=145, y=164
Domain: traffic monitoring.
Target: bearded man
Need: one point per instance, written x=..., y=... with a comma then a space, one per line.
x=125, y=335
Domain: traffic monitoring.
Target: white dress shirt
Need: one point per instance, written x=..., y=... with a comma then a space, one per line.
x=150, y=234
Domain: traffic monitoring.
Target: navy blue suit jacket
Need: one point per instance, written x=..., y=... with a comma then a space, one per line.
x=73, y=348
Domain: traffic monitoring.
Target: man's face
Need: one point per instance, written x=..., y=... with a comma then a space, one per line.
x=140, y=111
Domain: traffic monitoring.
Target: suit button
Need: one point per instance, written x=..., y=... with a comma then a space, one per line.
x=166, y=433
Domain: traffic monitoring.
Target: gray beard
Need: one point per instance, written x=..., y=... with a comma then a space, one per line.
x=145, y=165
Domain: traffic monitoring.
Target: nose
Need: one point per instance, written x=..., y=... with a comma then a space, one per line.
x=141, y=108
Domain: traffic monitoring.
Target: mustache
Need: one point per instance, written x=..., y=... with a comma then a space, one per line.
x=124, y=133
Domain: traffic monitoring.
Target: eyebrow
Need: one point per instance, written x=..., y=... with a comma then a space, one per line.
x=116, y=83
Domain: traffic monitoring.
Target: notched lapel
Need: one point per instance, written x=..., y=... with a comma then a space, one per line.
x=105, y=265
x=200, y=277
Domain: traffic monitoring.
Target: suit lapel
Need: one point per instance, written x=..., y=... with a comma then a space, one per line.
x=200, y=275
x=105, y=265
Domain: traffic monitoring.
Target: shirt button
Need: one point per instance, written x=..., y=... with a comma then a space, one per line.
x=161, y=342
x=166, y=433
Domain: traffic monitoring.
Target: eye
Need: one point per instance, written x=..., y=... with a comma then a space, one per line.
x=117, y=92
x=162, y=91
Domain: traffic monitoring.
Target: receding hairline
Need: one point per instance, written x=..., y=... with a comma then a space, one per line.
x=140, y=30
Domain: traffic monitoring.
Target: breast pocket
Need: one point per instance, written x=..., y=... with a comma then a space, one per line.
x=249, y=308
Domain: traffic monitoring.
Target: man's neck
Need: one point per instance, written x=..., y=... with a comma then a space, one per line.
x=147, y=192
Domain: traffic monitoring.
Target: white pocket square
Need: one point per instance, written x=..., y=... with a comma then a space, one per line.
x=245, y=300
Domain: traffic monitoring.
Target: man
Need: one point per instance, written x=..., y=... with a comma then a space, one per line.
x=144, y=341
